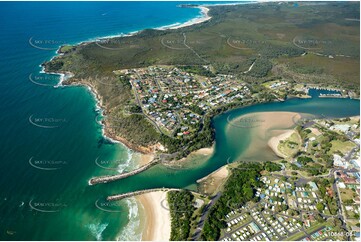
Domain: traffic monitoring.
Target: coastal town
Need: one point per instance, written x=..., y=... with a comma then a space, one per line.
x=175, y=121
x=175, y=100
x=314, y=196
x=303, y=202
x=306, y=197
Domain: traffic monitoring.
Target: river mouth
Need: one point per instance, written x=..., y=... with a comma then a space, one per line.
x=240, y=140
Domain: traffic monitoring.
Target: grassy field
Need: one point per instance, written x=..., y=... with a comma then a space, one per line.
x=346, y=194
x=343, y=147
x=290, y=146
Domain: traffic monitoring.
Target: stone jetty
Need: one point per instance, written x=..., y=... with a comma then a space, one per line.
x=110, y=178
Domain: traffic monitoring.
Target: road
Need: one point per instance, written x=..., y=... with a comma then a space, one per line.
x=341, y=212
x=190, y=48
x=143, y=113
x=229, y=234
x=203, y=218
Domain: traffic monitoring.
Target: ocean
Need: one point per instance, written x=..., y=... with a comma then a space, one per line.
x=50, y=167
x=44, y=191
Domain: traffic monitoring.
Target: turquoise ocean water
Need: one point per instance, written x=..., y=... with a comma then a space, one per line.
x=44, y=193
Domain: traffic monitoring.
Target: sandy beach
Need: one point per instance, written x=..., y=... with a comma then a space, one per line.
x=275, y=141
x=210, y=183
x=157, y=224
x=204, y=151
x=196, y=157
x=220, y=174
x=198, y=20
x=145, y=159
x=148, y=152
x=260, y=128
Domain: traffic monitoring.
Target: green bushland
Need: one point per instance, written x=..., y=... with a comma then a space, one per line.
x=271, y=166
x=199, y=70
x=144, y=134
x=135, y=109
x=181, y=211
x=260, y=68
x=324, y=185
x=265, y=31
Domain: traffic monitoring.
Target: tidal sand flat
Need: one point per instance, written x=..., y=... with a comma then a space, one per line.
x=254, y=130
x=275, y=141
x=210, y=184
x=157, y=225
x=194, y=159
x=201, y=153
x=79, y=219
x=204, y=151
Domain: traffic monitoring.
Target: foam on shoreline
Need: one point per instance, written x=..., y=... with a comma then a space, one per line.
x=97, y=230
x=158, y=227
x=127, y=163
x=63, y=76
x=99, y=106
x=129, y=232
x=197, y=20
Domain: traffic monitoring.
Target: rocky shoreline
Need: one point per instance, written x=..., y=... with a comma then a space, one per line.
x=107, y=132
